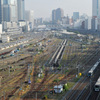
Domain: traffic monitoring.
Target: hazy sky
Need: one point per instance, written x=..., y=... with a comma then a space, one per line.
x=43, y=8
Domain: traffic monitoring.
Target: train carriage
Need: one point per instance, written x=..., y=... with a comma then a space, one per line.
x=97, y=85
x=93, y=69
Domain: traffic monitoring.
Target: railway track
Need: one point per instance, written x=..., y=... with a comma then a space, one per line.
x=16, y=87
x=89, y=93
x=43, y=87
x=39, y=87
x=57, y=55
x=84, y=83
x=79, y=85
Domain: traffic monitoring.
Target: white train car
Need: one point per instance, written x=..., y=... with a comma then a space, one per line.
x=93, y=69
x=57, y=51
x=97, y=85
x=59, y=54
x=54, y=54
x=65, y=42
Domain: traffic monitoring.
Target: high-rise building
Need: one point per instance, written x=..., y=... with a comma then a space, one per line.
x=88, y=23
x=29, y=16
x=57, y=15
x=94, y=24
x=21, y=9
x=96, y=8
x=95, y=14
x=75, y=16
x=0, y=13
x=9, y=10
x=54, y=16
x=67, y=19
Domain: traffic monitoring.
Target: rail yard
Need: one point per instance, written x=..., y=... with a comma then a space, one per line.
x=33, y=71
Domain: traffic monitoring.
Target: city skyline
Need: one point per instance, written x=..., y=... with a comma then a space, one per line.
x=44, y=8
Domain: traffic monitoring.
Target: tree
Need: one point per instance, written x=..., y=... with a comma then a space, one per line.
x=65, y=87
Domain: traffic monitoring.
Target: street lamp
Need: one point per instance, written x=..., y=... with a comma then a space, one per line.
x=77, y=66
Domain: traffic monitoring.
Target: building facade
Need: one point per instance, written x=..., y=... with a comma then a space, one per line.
x=54, y=16
x=57, y=15
x=75, y=16
x=96, y=8
x=9, y=10
x=29, y=17
x=21, y=9
x=96, y=15
x=0, y=13
x=94, y=24
x=88, y=23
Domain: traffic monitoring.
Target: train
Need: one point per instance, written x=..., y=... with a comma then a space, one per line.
x=58, y=56
x=4, y=53
x=97, y=85
x=56, y=61
x=55, y=54
x=93, y=69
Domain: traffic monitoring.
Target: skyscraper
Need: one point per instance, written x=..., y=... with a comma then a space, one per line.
x=29, y=16
x=9, y=10
x=95, y=14
x=21, y=9
x=54, y=16
x=96, y=8
x=94, y=24
x=57, y=15
x=0, y=12
x=75, y=16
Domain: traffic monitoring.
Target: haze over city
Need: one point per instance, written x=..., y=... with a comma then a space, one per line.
x=43, y=8
x=49, y=49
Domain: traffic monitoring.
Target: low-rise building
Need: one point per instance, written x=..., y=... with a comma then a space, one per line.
x=58, y=88
x=5, y=38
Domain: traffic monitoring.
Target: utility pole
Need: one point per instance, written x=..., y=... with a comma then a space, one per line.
x=28, y=73
x=36, y=95
x=0, y=80
x=32, y=60
x=17, y=55
x=9, y=69
x=78, y=69
x=90, y=85
x=3, y=60
x=4, y=95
